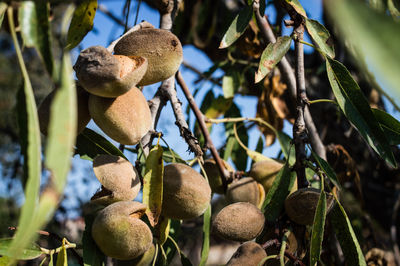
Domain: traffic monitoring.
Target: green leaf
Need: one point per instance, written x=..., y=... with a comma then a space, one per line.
x=62, y=259
x=81, y=23
x=285, y=141
x=230, y=83
x=271, y=56
x=92, y=255
x=162, y=230
x=318, y=229
x=62, y=127
x=382, y=55
x=321, y=36
x=345, y=234
x=206, y=236
x=276, y=196
x=30, y=252
x=390, y=126
x=295, y=4
x=237, y=27
x=31, y=149
x=89, y=144
x=327, y=169
x=393, y=7
x=233, y=149
x=3, y=8
x=35, y=29
x=356, y=108
x=153, y=184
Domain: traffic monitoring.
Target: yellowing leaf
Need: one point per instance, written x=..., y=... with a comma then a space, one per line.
x=237, y=27
x=153, y=184
x=81, y=23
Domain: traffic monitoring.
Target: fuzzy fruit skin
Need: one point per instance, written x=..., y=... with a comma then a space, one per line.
x=119, y=178
x=83, y=110
x=249, y=254
x=125, y=119
x=245, y=190
x=241, y=221
x=107, y=75
x=119, y=233
x=301, y=205
x=162, y=49
x=214, y=178
x=264, y=172
x=186, y=194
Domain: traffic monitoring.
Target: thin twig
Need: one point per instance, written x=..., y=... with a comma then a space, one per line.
x=200, y=119
x=288, y=76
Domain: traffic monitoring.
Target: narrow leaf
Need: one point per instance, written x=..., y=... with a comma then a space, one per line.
x=256, y=156
x=92, y=255
x=3, y=8
x=35, y=29
x=62, y=127
x=230, y=83
x=30, y=252
x=62, y=259
x=381, y=56
x=321, y=36
x=327, y=169
x=318, y=229
x=81, y=23
x=271, y=56
x=393, y=7
x=162, y=229
x=206, y=236
x=285, y=141
x=356, y=108
x=389, y=124
x=276, y=196
x=153, y=184
x=170, y=156
x=237, y=27
x=295, y=4
x=89, y=144
x=32, y=155
x=345, y=234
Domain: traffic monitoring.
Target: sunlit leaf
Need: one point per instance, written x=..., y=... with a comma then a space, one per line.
x=389, y=124
x=318, y=229
x=89, y=144
x=31, y=149
x=62, y=259
x=162, y=230
x=382, y=55
x=81, y=23
x=276, y=196
x=295, y=4
x=256, y=156
x=356, y=108
x=170, y=156
x=62, y=127
x=3, y=8
x=327, y=169
x=271, y=56
x=30, y=252
x=393, y=7
x=237, y=27
x=206, y=236
x=345, y=234
x=321, y=36
x=153, y=184
x=35, y=29
x=230, y=83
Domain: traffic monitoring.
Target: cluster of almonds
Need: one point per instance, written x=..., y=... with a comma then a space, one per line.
x=106, y=87
x=117, y=229
x=242, y=220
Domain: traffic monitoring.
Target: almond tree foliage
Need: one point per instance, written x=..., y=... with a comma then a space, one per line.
x=342, y=153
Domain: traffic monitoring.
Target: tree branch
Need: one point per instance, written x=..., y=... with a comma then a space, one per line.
x=299, y=127
x=288, y=76
x=200, y=119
